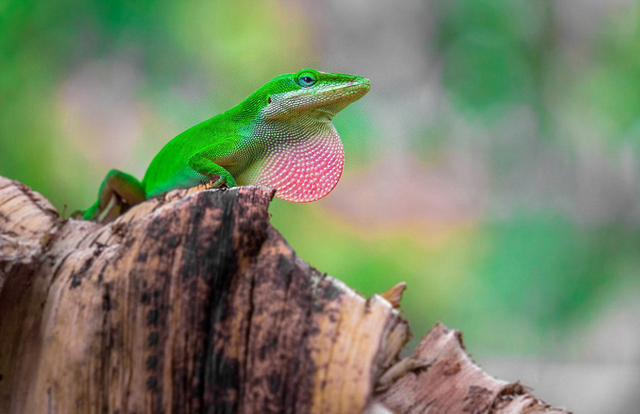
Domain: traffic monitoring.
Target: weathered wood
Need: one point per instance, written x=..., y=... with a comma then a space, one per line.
x=26, y=222
x=453, y=383
x=191, y=303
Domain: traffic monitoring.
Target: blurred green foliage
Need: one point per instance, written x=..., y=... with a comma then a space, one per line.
x=524, y=267
x=493, y=51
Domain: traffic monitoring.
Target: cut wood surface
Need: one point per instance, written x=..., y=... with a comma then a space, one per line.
x=193, y=303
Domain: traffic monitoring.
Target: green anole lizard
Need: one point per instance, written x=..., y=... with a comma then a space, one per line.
x=280, y=136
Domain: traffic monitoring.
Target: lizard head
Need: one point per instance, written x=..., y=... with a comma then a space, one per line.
x=295, y=147
x=310, y=94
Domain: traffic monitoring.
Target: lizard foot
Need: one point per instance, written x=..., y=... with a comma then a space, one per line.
x=222, y=181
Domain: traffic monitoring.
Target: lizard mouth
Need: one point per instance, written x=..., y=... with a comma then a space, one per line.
x=329, y=101
x=326, y=96
x=358, y=88
x=323, y=102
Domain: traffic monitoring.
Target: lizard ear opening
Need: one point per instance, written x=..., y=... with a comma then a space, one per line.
x=269, y=99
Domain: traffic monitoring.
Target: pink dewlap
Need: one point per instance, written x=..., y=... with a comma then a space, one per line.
x=304, y=170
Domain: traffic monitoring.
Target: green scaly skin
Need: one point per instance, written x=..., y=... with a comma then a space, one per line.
x=281, y=136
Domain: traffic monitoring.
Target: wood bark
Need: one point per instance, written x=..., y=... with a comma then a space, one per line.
x=193, y=303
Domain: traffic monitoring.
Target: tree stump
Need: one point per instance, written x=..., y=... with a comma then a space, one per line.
x=193, y=303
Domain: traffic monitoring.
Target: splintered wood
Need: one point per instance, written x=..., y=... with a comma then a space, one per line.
x=193, y=303
x=453, y=383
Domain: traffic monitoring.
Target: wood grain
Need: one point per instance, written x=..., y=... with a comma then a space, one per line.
x=193, y=303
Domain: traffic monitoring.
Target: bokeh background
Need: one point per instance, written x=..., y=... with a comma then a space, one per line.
x=494, y=166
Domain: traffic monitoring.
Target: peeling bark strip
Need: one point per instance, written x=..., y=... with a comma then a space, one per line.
x=192, y=303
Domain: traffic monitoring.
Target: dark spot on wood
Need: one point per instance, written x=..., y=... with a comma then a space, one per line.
x=172, y=241
x=101, y=274
x=59, y=266
x=153, y=339
x=285, y=268
x=145, y=298
x=229, y=373
x=273, y=342
x=459, y=338
x=119, y=229
x=477, y=399
x=331, y=292
x=222, y=373
x=152, y=362
x=158, y=228
x=142, y=257
x=106, y=301
x=152, y=384
x=452, y=368
x=274, y=383
x=86, y=265
x=75, y=281
x=157, y=293
x=224, y=407
x=129, y=242
x=152, y=317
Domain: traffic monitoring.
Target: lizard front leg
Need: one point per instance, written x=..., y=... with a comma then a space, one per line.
x=202, y=163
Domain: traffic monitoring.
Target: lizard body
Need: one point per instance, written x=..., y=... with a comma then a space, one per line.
x=280, y=136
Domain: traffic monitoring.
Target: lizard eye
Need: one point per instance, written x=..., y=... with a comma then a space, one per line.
x=306, y=80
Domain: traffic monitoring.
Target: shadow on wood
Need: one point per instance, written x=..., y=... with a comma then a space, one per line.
x=193, y=303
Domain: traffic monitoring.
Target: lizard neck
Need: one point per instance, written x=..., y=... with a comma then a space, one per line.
x=301, y=158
